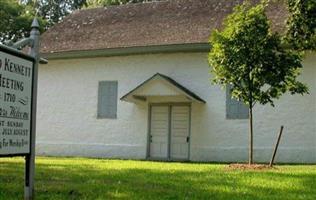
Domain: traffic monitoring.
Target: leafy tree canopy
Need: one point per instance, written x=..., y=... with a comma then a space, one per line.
x=53, y=11
x=301, y=32
x=15, y=20
x=248, y=56
x=17, y=15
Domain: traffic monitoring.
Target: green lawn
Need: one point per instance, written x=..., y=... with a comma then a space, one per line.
x=81, y=178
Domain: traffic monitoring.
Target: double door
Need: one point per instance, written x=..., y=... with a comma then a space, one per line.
x=169, y=133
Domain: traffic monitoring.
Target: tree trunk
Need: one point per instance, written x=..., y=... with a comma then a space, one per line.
x=250, y=135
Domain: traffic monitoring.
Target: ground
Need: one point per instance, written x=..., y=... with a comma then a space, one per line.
x=82, y=178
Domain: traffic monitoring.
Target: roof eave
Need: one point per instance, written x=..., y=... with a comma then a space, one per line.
x=123, y=51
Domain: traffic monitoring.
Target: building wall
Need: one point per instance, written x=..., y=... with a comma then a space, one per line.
x=67, y=112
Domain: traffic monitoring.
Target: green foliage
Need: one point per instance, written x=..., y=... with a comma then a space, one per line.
x=301, y=33
x=15, y=20
x=17, y=15
x=248, y=56
x=97, y=3
x=53, y=11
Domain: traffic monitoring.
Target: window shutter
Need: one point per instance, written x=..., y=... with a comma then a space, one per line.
x=235, y=109
x=107, y=99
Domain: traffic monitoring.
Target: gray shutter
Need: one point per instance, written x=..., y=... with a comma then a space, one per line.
x=235, y=109
x=107, y=99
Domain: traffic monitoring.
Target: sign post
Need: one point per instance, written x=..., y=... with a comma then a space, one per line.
x=30, y=159
x=18, y=94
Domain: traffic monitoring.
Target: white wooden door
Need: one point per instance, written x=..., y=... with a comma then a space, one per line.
x=159, y=132
x=180, y=130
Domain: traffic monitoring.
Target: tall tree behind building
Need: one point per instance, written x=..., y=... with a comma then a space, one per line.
x=53, y=11
x=15, y=20
x=301, y=32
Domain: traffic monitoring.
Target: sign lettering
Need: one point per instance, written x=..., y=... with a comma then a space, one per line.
x=15, y=103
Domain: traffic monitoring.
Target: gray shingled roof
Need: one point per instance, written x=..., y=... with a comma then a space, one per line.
x=145, y=24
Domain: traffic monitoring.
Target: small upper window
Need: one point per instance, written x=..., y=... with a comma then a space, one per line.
x=107, y=99
x=235, y=109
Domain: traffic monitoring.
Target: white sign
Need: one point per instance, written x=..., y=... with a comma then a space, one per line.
x=16, y=74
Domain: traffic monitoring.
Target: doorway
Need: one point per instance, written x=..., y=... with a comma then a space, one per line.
x=169, y=132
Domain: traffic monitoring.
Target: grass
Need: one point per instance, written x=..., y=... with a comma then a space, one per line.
x=82, y=178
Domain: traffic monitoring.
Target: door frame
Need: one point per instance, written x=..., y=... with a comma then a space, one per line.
x=169, y=104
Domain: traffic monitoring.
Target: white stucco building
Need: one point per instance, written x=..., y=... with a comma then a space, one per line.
x=133, y=82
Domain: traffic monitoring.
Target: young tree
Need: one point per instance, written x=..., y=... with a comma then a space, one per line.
x=247, y=55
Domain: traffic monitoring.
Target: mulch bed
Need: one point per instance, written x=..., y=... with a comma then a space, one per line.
x=249, y=167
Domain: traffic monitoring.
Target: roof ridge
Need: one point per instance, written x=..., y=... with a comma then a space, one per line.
x=124, y=5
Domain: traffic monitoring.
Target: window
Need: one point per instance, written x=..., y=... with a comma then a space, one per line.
x=235, y=109
x=107, y=99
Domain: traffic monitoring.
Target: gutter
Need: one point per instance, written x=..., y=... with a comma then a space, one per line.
x=123, y=51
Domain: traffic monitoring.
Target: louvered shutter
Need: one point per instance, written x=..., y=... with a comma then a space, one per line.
x=107, y=99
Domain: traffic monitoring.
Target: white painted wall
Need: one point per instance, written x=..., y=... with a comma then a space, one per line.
x=68, y=125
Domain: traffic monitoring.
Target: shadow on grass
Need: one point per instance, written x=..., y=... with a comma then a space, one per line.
x=61, y=181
